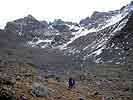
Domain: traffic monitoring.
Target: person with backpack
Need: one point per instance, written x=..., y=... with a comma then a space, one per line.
x=71, y=83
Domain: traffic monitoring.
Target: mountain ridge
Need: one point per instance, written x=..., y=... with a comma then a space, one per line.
x=88, y=38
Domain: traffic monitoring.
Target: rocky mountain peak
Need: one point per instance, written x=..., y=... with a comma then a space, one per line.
x=127, y=8
x=58, y=21
x=131, y=3
x=96, y=13
x=98, y=18
x=30, y=16
x=26, y=25
x=29, y=19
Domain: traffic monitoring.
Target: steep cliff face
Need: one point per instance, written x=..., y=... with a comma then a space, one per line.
x=109, y=41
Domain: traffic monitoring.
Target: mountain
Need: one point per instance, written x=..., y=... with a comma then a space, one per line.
x=97, y=52
x=26, y=24
x=105, y=37
x=41, y=34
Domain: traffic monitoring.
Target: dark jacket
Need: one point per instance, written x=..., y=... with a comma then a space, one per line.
x=71, y=82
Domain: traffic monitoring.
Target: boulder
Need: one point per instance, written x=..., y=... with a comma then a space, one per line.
x=7, y=93
x=7, y=80
x=40, y=90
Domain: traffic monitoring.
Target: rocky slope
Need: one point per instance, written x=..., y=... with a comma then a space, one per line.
x=21, y=81
x=109, y=41
x=40, y=34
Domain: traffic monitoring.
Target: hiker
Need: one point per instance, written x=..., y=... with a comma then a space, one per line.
x=71, y=82
x=81, y=98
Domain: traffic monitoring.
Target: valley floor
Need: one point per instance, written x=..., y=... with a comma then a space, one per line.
x=22, y=81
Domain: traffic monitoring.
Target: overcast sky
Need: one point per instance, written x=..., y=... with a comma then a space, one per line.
x=71, y=10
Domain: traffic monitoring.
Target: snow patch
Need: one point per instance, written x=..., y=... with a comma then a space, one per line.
x=73, y=27
x=85, y=48
x=20, y=33
x=121, y=25
x=113, y=20
x=98, y=60
x=117, y=63
x=80, y=33
x=34, y=43
x=98, y=52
